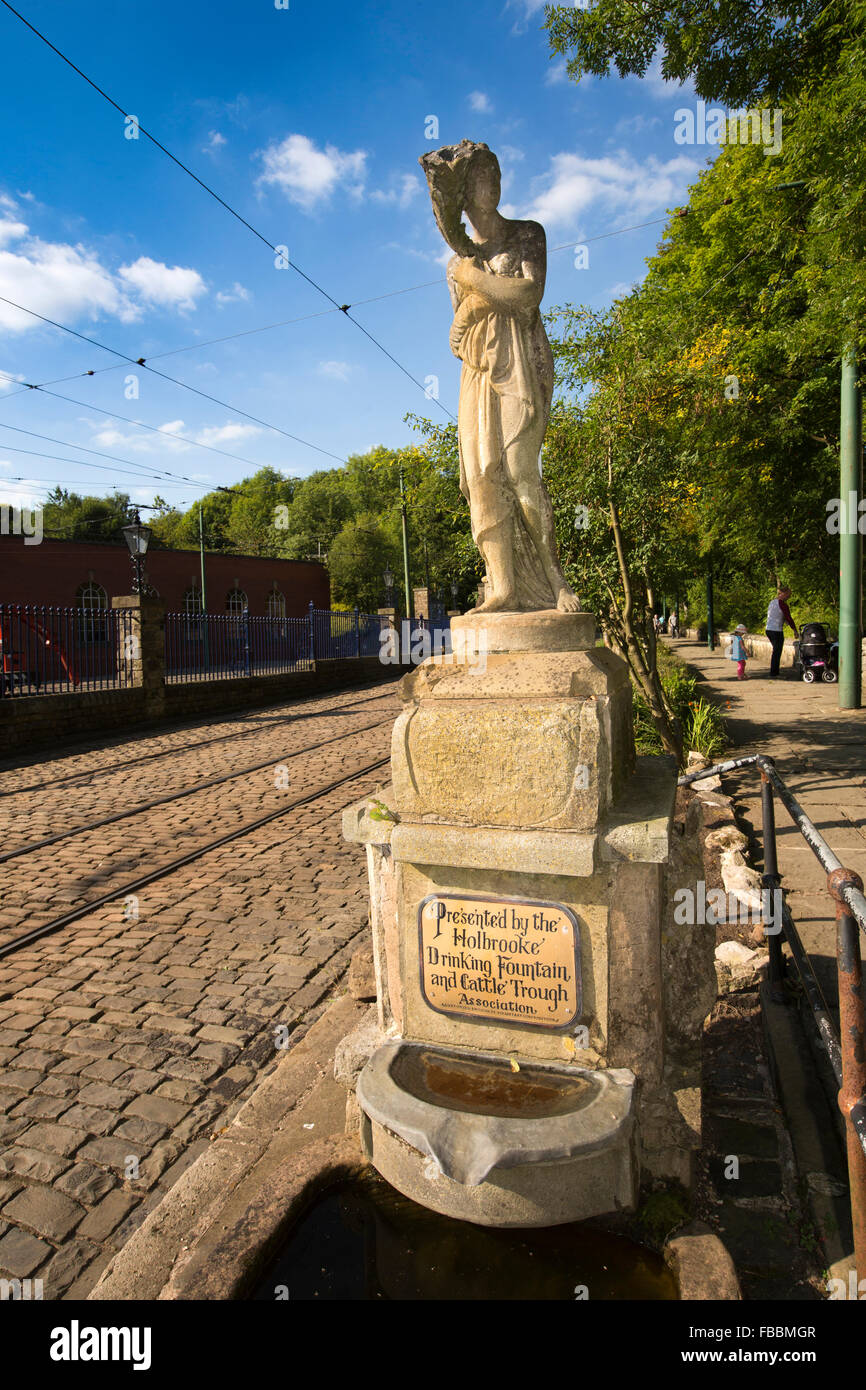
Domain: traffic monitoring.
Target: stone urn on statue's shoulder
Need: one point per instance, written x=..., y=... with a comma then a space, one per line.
x=517, y=882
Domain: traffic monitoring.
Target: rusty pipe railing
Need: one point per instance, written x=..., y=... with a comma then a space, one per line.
x=847, y=1048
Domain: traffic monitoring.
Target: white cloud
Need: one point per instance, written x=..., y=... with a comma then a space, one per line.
x=66, y=282
x=230, y=433
x=59, y=281
x=528, y=9
x=7, y=385
x=22, y=492
x=509, y=156
x=233, y=295
x=12, y=231
x=616, y=183
x=340, y=371
x=107, y=436
x=215, y=141
x=480, y=101
x=557, y=74
x=635, y=125
x=175, y=287
x=655, y=84
x=308, y=175
x=408, y=188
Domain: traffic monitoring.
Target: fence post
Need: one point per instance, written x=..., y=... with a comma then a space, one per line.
x=245, y=618
x=770, y=881
x=357, y=633
x=143, y=651
x=312, y=635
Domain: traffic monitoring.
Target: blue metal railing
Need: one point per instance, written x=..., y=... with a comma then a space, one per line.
x=47, y=650
x=213, y=646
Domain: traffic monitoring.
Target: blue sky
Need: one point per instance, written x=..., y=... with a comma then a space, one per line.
x=309, y=121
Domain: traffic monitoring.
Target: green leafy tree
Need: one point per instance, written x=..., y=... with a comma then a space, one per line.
x=733, y=50
x=69, y=516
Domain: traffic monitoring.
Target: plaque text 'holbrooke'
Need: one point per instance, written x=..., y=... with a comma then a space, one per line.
x=503, y=961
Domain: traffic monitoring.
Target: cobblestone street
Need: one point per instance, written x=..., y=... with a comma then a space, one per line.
x=131, y=1036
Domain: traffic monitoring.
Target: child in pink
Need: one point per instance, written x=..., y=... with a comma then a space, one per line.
x=738, y=650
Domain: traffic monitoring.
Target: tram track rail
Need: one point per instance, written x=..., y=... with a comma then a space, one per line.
x=163, y=871
x=180, y=750
x=273, y=761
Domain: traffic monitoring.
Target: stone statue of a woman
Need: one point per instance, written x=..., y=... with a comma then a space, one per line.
x=496, y=281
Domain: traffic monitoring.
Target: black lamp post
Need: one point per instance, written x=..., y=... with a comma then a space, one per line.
x=455, y=589
x=137, y=537
x=388, y=577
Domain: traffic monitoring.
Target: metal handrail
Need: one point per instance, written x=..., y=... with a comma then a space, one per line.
x=846, y=1049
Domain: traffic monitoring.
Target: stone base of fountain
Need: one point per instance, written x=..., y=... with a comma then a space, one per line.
x=472, y=1138
x=518, y=898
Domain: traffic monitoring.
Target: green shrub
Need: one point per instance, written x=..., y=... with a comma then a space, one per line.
x=701, y=721
x=704, y=729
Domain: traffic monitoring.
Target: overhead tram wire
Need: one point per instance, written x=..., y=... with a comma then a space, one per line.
x=165, y=480
x=601, y=236
x=343, y=308
x=305, y=318
x=141, y=362
x=146, y=472
x=146, y=475
x=140, y=424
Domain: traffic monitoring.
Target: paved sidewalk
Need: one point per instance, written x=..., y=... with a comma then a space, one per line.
x=126, y=1044
x=820, y=752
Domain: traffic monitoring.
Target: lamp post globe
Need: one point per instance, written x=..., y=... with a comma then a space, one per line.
x=137, y=537
x=388, y=577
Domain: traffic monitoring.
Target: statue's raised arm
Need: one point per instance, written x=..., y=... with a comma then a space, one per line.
x=496, y=279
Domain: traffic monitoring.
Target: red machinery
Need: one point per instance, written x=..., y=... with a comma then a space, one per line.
x=27, y=663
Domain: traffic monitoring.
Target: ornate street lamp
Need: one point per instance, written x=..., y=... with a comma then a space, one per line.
x=388, y=577
x=137, y=537
x=455, y=589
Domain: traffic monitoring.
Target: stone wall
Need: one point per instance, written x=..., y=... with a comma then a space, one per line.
x=29, y=721
x=32, y=720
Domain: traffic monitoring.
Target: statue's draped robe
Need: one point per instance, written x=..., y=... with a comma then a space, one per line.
x=502, y=416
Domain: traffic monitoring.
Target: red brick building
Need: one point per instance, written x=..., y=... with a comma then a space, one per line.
x=88, y=574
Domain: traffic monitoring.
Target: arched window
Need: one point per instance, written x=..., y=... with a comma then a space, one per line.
x=92, y=599
x=276, y=605
x=236, y=601
x=192, y=609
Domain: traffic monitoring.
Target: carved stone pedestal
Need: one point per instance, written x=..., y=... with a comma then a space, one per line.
x=518, y=888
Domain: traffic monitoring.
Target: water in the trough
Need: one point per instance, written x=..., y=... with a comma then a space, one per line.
x=364, y=1240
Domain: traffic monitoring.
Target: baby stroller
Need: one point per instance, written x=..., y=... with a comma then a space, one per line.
x=816, y=656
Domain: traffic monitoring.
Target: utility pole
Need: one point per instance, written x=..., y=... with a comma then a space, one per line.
x=850, y=539
x=405, y=525
x=205, y=652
